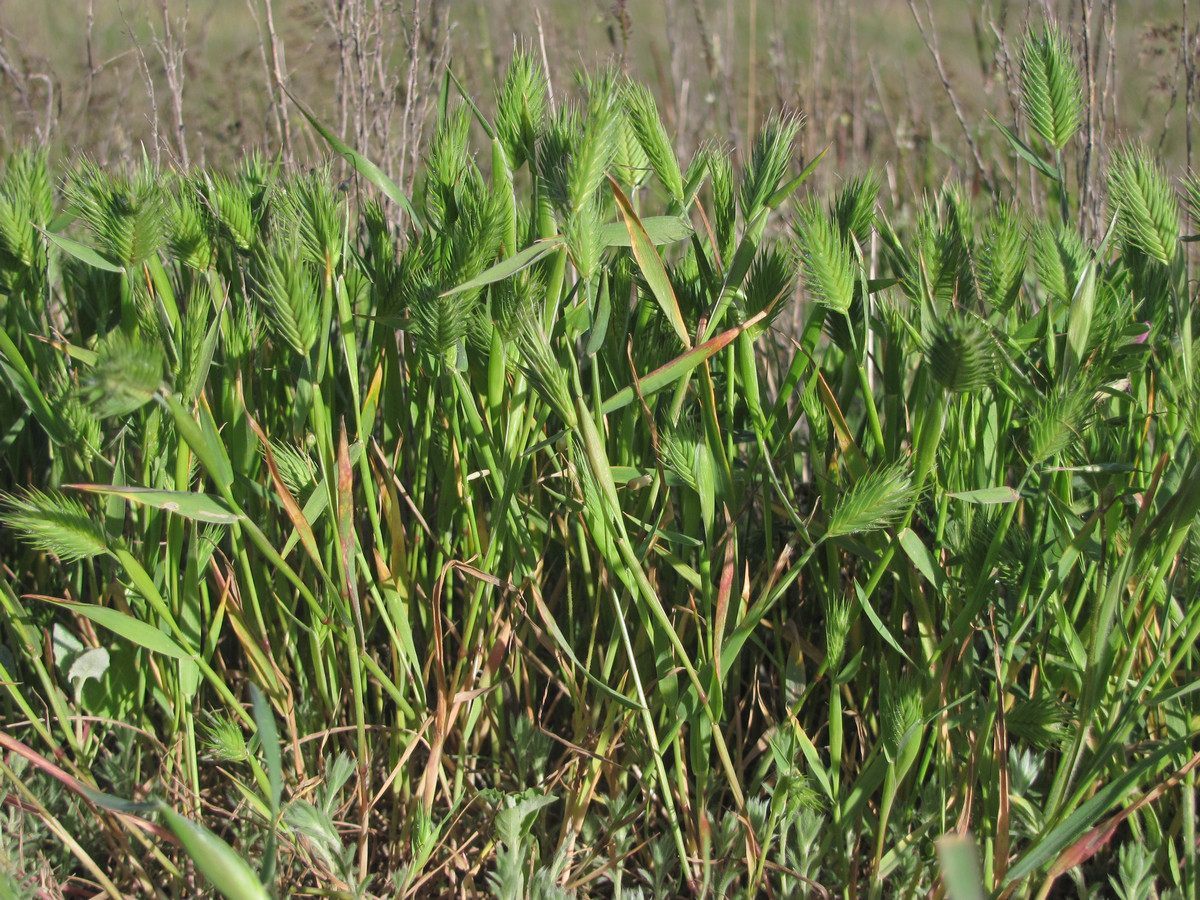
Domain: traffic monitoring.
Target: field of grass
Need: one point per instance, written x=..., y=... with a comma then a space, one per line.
x=597, y=488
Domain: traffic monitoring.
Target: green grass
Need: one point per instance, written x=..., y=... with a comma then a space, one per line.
x=500, y=538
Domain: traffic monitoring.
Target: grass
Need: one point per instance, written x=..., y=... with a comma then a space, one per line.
x=502, y=536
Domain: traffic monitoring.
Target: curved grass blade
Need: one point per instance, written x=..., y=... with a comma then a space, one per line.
x=81, y=252
x=988, y=495
x=190, y=505
x=133, y=630
x=1026, y=153
x=651, y=264
x=674, y=370
x=25, y=384
x=511, y=266
x=224, y=867
x=660, y=230
x=362, y=165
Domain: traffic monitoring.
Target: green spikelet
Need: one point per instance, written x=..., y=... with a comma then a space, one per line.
x=961, y=354
x=594, y=153
x=233, y=203
x=942, y=273
x=54, y=524
x=537, y=362
x=584, y=239
x=556, y=149
x=630, y=164
x=837, y=629
x=1191, y=196
x=900, y=713
x=854, y=207
x=1147, y=208
x=1002, y=259
x=959, y=217
x=289, y=294
x=312, y=209
x=648, y=126
x=26, y=204
x=769, y=282
x=768, y=163
x=441, y=325
x=452, y=170
x=1059, y=256
x=720, y=169
x=677, y=446
x=127, y=215
x=127, y=373
x=190, y=228
x=1050, y=91
x=1039, y=720
x=829, y=264
x=84, y=428
x=874, y=502
x=296, y=469
x=196, y=345
x=1057, y=423
x=521, y=108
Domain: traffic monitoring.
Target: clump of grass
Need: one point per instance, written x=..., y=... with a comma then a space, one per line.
x=492, y=554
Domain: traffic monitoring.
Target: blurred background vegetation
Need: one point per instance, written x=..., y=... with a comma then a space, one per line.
x=197, y=80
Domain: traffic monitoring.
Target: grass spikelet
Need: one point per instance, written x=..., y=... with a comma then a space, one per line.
x=584, y=239
x=854, y=207
x=289, y=294
x=441, y=325
x=837, y=629
x=1147, y=208
x=1050, y=87
x=1059, y=256
x=452, y=171
x=944, y=239
x=190, y=228
x=594, y=151
x=194, y=356
x=677, y=446
x=26, y=201
x=1058, y=423
x=874, y=502
x=1002, y=258
x=829, y=265
x=54, y=524
x=720, y=172
x=296, y=468
x=961, y=355
x=126, y=215
x=231, y=204
x=652, y=135
x=311, y=209
x=127, y=372
x=1191, y=196
x=521, y=108
x=901, y=711
x=768, y=162
x=769, y=281
x=630, y=165
x=1039, y=720
x=555, y=149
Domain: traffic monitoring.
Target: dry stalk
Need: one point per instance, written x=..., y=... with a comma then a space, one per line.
x=172, y=47
x=930, y=38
